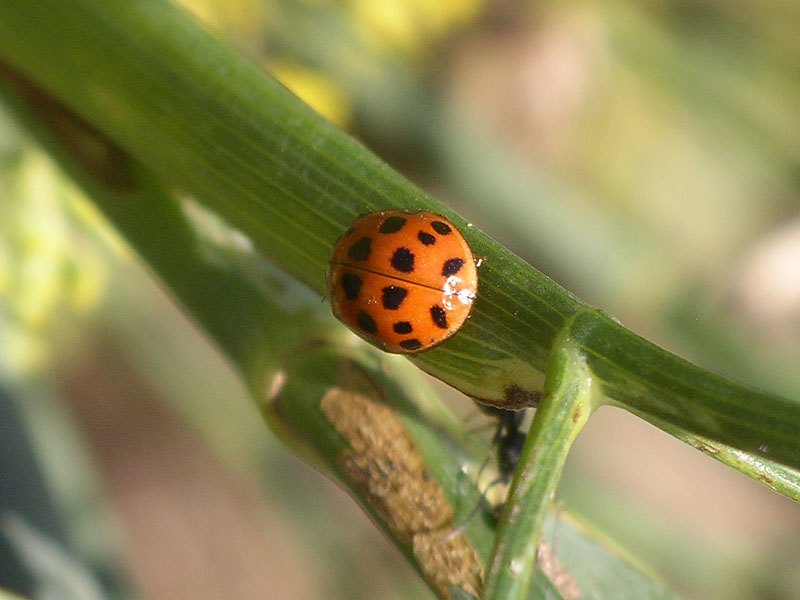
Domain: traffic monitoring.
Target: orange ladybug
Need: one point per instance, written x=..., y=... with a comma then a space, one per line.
x=404, y=281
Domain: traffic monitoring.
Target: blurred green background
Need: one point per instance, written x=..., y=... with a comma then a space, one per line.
x=645, y=155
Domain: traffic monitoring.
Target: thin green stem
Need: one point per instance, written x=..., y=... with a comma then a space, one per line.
x=564, y=408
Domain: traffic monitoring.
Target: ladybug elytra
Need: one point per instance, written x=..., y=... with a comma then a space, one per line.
x=404, y=281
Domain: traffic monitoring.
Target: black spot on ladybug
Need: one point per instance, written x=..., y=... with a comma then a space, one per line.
x=426, y=238
x=439, y=316
x=402, y=327
x=366, y=322
x=351, y=284
x=361, y=249
x=392, y=224
x=412, y=344
x=441, y=228
x=451, y=266
x=403, y=260
x=393, y=296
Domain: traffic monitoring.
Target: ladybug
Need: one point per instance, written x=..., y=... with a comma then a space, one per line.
x=404, y=281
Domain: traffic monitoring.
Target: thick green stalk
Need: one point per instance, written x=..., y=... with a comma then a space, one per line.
x=202, y=119
x=207, y=121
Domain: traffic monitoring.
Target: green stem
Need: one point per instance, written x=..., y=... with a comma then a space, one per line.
x=243, y=318
x=565, y=406
x=771, y=474
x=199, y=118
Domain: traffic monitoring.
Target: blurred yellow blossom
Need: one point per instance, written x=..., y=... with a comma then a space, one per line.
x=317, y=90
x=240, y=20
x=408, y=26
x=20, y=351
x=48, y=263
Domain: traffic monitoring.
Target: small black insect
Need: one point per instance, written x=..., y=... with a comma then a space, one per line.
x=508, y=439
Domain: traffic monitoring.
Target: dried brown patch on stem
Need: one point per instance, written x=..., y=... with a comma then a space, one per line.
x=382, y=462
x=97, y=154
x=557, y=573
x=516, y=397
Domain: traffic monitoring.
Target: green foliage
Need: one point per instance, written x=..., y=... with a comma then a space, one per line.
x=146, y=103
